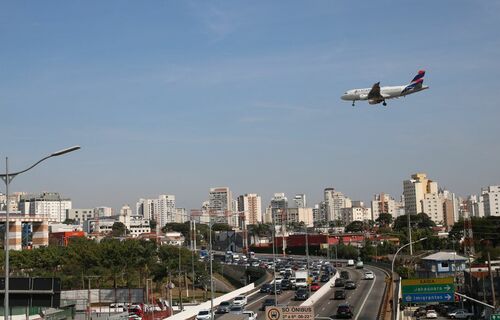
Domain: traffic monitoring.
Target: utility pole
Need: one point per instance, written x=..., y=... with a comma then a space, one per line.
x=492, y=283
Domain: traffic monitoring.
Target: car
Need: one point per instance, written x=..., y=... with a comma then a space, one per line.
x=350, y=285
x=419, y=312
x=240, y=301
x=431, y=314
x=339, y=282
x=251, y=315
x=276, y=289
x=344, y=275
x=267, y=303
x=301, y=294
x=203, y=315
x=339, y=294
x=460, y=314
x=369, y=275
x=266, y=288
x=286, y=284
x=344, y=310
x=324, y=278
x=315, y=286
x=224, y=307
x=236, y=309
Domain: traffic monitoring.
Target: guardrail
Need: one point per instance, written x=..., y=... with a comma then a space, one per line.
x=206, y=305
x=384, y=311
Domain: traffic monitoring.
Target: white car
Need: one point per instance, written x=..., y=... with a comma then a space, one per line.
x=431, y=314
x=203, y=315
x=369, y=275
x=251, y=315
x=240, y=301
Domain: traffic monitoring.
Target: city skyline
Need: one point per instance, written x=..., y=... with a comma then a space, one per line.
x=174, y=98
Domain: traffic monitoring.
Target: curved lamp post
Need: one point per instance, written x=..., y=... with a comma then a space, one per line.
x=395, y=302
x=7, y=179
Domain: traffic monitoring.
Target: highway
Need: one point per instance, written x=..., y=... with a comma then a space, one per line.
x=365, y=299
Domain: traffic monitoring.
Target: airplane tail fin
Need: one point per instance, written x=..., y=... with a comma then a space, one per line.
x=419, y=78
x=416, y=82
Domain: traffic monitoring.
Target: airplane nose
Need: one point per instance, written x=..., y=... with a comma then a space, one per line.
x=344, y=97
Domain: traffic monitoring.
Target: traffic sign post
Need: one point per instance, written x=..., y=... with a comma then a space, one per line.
x=428, y=290
x=290, y=313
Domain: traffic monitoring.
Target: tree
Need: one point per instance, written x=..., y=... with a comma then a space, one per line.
x=384, y=219
x=417, y=221
x=355, y=226
x=118, y=229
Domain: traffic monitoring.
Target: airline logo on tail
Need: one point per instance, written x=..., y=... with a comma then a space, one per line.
x=417, y=81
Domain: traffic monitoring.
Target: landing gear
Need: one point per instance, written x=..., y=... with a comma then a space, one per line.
x=353, y=103
x=384, y=103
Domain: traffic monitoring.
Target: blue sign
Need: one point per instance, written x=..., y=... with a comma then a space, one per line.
x=427, y=297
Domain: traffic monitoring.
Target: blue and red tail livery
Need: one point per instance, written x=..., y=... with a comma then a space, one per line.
x=419, y=77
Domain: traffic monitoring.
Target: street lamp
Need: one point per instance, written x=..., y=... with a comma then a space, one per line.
x=395, y=302
x=7, y=179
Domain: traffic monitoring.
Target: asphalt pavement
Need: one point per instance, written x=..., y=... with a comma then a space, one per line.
x=365, y=299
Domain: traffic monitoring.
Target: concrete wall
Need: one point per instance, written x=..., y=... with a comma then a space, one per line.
x=321, y=292
x=206, y=305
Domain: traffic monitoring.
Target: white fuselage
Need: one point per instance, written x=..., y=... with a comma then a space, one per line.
x=385, y=92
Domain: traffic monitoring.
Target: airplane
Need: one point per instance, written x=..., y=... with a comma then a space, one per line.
x=379, y=94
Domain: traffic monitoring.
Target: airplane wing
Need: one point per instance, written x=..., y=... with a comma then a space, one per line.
x=374, y=93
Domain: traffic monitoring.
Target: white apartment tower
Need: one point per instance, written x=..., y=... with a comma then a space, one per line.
x=491, y=200
x=278, y=206
x=162, y=210
x=334, y=202
x=251, y=205
x=357, y=212
x=422, y=195
x=300, y=200
x=48, y=204
x=220, y=203
x=383, y=203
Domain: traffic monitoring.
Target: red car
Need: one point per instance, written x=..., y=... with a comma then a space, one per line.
x=315, y=286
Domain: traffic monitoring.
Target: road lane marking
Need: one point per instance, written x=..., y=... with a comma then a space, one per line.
x=257, y=300
x=366, y=297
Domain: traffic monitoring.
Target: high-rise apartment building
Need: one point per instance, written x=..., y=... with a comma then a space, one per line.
x=48, y=204
x=383, y=203
x=334, y=202
x=300, y=200
x=357, y=212
x=491, y=200
x=250, y=205
x=221, y=204
x=414, y=191
x=162, y=210
x=278, y=206
x=103, y=212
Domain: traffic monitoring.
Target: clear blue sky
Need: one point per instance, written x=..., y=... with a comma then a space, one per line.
x=178, y=96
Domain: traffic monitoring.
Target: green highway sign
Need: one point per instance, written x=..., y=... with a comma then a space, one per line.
x=428, y=290
x=431, y=288
x=495, y=317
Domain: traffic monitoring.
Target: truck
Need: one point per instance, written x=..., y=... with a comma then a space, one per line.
x=301, y=279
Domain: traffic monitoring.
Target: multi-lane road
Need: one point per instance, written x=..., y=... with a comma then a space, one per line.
x=365, y=299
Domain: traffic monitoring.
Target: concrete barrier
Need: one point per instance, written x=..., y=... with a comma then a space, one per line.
x=321, y=292
x=206, y=305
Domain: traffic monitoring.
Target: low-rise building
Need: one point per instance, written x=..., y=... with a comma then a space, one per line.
x=441, y=264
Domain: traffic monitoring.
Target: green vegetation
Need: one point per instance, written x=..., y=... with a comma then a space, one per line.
x=117, y=263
